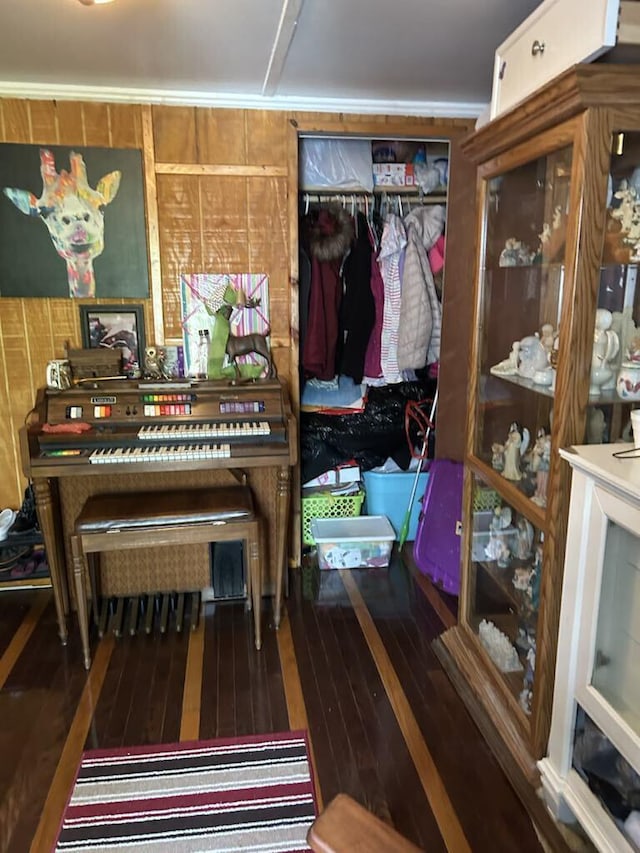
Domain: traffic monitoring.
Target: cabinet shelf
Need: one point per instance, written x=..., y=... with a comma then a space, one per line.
x=525, y=268
x=503, y=579
x=523, y=382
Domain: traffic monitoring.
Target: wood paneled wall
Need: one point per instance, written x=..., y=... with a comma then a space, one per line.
x=221, y=195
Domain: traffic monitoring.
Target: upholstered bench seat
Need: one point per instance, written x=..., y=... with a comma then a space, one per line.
x=110, y=522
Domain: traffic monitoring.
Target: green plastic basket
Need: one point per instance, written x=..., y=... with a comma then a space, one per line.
x=328, y=506
x=484, y=498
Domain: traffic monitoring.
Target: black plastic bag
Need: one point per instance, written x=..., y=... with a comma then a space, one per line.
x=370, y=437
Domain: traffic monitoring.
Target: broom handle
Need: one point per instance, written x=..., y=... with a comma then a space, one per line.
x=425, y=445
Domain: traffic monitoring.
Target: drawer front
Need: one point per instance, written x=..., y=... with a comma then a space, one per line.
x=557, y=35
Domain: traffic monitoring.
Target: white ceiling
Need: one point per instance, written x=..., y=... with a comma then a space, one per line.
x=416, y=56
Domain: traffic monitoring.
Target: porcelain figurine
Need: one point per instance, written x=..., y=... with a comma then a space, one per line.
x=497, y=549
x=628, y=378
x=499, y=648
x=606, y=346
x=508, y=367
x=526, y=694
x=628, y=381
x=522, y=580
x=541, y=462
x=514, y=449
x=547, y=336
x=525, y=538
x=544, y=378
x=497, y=457
x=515, y=254
x=533, y=357
x=501, y=518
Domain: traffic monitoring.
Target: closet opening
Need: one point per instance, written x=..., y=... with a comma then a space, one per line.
x=371, y=237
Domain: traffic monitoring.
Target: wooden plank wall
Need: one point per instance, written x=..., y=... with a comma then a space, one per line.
x=221, y=194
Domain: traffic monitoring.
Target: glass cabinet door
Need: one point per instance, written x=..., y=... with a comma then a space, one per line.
x=505, y=571
x=615, y=369
x=616, y=664
x=606, y=738
x=609, y=656
x=522, y=276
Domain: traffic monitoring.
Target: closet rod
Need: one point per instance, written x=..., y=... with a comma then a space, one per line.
x=360, y=197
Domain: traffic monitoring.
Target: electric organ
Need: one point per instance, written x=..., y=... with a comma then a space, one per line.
x=124, y=435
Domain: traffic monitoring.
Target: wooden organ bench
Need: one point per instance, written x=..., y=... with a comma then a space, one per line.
x=345, y=827
x=116, y=522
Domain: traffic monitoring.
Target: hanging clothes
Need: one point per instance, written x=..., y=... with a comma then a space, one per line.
x=420, y=311
x=392, y=246
x=329, y=233
x=372, y=367
x=358, y=306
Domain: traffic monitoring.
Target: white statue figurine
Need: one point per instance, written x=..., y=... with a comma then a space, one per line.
x=547, y=336
x=606, y=345
x=542, y=455
x=514, y=448
x=508, y=367
x=533, y=357
x=497, y=456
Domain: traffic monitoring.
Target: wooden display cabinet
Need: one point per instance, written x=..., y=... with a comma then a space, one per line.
x=558, y=237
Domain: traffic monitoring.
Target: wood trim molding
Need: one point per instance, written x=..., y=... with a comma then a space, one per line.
x=153, y=229
x=200, y=169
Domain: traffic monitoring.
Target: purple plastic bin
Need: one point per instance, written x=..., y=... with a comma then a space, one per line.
x=436, y=548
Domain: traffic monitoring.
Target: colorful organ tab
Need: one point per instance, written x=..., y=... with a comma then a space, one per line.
x=242, y=407
x=102, y=411
x=162, y=405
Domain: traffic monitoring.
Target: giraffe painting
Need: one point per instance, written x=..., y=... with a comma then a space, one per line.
x=73, y=213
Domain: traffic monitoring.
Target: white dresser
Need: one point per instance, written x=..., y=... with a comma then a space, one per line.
x=593, y=758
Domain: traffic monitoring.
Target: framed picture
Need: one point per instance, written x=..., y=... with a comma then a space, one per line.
x=72, y=222
x=115, y=326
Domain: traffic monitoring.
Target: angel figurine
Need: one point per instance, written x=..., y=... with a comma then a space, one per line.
x=514, y=449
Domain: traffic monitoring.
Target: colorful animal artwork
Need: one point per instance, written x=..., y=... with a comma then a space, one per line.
x=73, y=213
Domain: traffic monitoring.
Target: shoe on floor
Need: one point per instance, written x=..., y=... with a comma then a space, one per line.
x=26, y=520
x=7, y=519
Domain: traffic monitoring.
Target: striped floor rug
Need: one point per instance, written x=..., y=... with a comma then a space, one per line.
x=251, y=794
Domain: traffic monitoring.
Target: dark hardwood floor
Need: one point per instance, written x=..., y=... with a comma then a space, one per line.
x=352, y=663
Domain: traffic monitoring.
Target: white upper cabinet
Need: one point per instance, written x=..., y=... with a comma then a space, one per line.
x=557, y=35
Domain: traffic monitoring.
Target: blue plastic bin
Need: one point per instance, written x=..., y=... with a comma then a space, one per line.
x=388, y=494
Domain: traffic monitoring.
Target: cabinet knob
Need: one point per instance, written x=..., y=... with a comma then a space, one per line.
x=537, y=48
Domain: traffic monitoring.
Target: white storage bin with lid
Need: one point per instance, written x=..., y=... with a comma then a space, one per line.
x=363, y=541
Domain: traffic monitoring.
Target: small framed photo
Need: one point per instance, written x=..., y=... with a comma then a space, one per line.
x=115, y=326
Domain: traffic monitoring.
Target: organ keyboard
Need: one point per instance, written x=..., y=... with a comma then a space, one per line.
x=151, y=429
